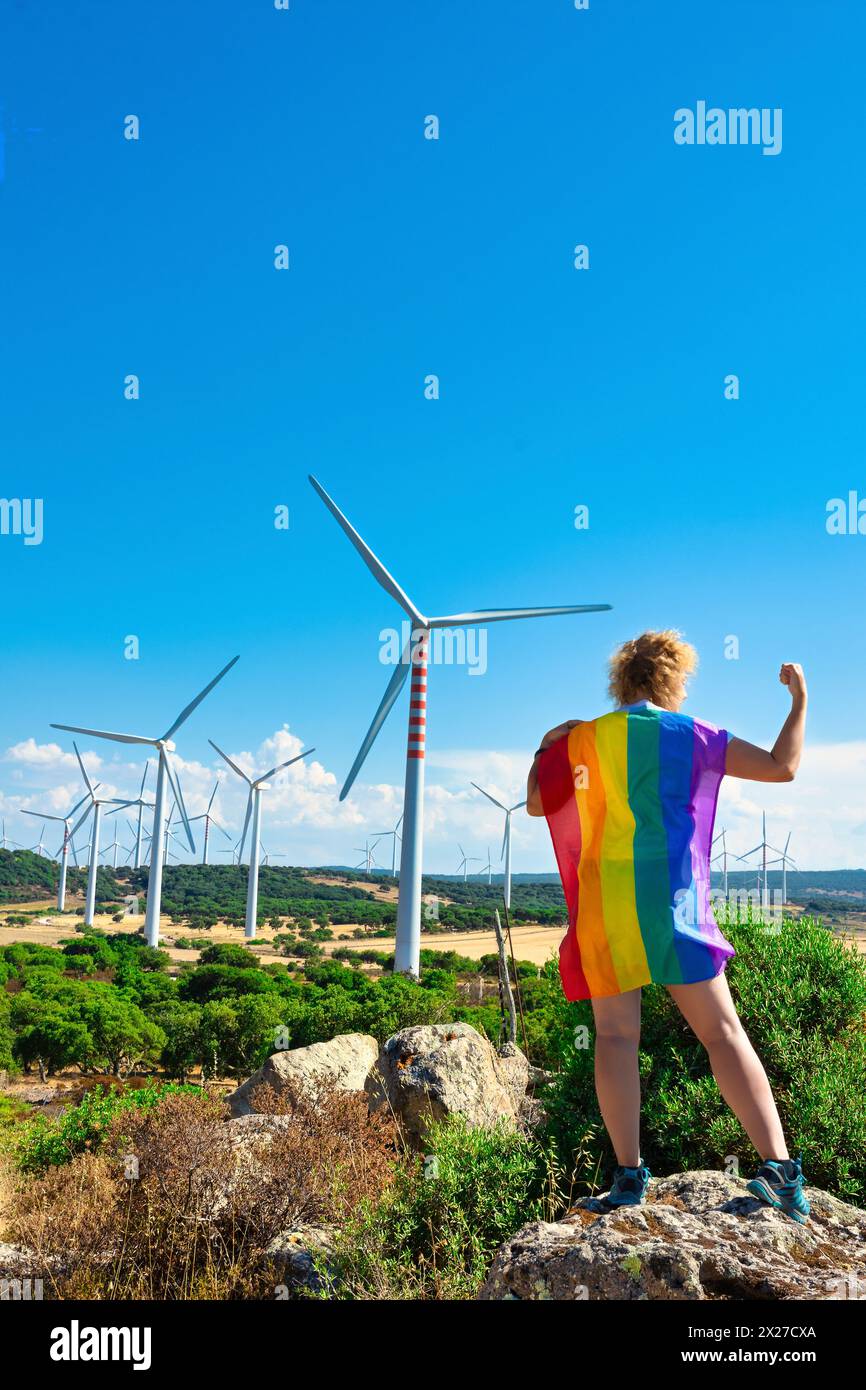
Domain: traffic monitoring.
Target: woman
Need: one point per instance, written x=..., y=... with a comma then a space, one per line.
x=630, y=800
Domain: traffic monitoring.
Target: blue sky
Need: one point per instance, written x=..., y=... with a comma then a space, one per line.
x=408, y=257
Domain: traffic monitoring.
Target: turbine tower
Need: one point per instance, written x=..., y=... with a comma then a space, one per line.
x=208, y=818
x=254, y=808
x=165, y=777
x=506, y=839
x=65, y=821
x=96, y=805
x=407, y=954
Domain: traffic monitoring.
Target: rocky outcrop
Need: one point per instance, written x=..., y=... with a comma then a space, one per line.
x=342, y=1064
x=421, y=1073
x=433, y=1070
x=698, y=1236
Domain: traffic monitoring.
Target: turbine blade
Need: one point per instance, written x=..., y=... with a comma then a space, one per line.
x=288, y=763
x=395, y=685
x=375, y=566
x=234, y=766
x=178, y=796
x=87, y=780
x=519, y=804
x=79, y=823
x=242, y=840
x=212, y=795
x=143, y=779
x=121, y=807
x=501, y=615
x=193, y=704
x=77, y=805
x=103, y=733
x=489, y=797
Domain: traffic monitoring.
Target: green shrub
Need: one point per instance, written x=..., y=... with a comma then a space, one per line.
x=434, y=1231
x=46, y=1142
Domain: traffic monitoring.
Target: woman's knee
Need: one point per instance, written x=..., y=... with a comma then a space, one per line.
x=622, y=1031
x=723, y=1031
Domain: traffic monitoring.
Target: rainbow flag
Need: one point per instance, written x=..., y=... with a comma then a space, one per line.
x=630, y=800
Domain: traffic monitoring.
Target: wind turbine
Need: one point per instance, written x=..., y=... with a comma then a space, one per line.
x=115, y=846
x=268, y=855
x=506, y=839
x=96, y=805
x=407, y=954
x=235, y=852
x=723, y=855
x=785, y=859
x=207, y=818
x=488, y=868
x=368, y=862
x=465, y=862
x=142, y=806
x=5, y=842
x=254, y=808
x=165, y=777
x=63, y=852
x=383, y=835
x=763, y=847
x=40, y=847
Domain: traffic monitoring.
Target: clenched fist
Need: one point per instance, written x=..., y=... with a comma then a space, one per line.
x=792, y=676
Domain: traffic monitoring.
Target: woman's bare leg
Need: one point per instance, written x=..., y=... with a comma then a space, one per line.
x=617, y=1083
x=709, y=1010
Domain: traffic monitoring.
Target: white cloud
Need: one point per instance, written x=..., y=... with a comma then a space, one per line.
x=825, y=808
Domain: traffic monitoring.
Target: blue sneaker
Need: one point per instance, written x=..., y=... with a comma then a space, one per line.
x=779, y=1183
x=629, y=1186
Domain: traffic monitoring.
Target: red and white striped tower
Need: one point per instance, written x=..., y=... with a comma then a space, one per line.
x=408, y=945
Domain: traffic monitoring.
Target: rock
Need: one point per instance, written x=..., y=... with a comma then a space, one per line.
x=698, y=1236
x=342, y=1064
x=433, y=1070
x=296, y=1252
x=514, y=1068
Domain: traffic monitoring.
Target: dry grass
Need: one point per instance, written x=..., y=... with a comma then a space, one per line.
x=209, y=1199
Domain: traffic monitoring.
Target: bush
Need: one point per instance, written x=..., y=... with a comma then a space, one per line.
x=435, y=1230
x=48, y=1143
x=196, y=1218
x=801, y=996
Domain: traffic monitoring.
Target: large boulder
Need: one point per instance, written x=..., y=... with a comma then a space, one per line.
x=342, y=1064
x=698, y=1236
x=433, y=1070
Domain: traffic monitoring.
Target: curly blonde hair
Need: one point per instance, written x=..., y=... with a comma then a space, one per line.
x=652, y=666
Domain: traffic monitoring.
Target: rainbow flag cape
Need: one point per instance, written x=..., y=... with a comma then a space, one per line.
x=630, y=800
